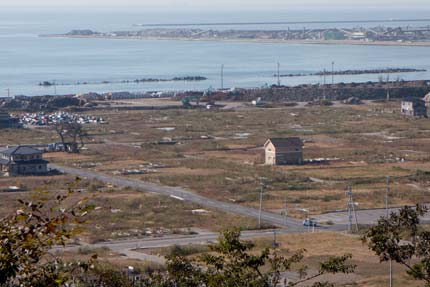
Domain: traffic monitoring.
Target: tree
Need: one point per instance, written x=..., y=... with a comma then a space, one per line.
x=70, y=133
x=399, y=238
x=27, y=236
x=232, y=262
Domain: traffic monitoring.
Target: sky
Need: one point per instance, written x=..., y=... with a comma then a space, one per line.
x=416, y=4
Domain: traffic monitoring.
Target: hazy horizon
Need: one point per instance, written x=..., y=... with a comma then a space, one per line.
x=221, y=4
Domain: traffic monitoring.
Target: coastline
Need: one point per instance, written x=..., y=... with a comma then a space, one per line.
x=256, y=41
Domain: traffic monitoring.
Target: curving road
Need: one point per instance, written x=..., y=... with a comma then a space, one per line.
x=291, y=224
x=128, y=247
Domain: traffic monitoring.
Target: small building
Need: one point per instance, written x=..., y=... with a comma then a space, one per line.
x=413, y=107
x=6, y=121
x=426, y=100
x=22, y=160
x=283, y=151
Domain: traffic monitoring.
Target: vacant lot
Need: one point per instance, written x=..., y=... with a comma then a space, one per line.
x=218, y=153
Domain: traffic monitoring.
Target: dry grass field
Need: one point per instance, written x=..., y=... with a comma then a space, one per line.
x=218, y=153
x=121, y=213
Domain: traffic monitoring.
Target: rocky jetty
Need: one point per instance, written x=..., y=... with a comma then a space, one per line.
x=142, y=80
x=355, y=72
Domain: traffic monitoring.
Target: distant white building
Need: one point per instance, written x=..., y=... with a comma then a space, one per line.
x=413, y=107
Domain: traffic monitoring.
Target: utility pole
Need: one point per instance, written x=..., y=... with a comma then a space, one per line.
x=351, y=210
x=279, y=76
x=222, y=77
x=286, y=209
x=388, y=87
x=386, y=196
x=261, y=203
x=275, y=244
x=332, y=72
x=324, y=83
x=309, y=219
x=387, y=192
x=349, y=192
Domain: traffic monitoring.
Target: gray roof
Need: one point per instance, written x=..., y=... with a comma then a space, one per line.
x=4, y=161
x=20, y=150
x=286, y=142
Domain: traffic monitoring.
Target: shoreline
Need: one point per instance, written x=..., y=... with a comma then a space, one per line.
x=256, y=41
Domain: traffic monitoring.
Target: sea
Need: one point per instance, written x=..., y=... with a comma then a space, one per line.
x=27, y=59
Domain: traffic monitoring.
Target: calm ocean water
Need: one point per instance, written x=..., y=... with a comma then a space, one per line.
x=26, y=59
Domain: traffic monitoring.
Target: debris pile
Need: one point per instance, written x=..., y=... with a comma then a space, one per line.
x=43, y=119
x=140, y=169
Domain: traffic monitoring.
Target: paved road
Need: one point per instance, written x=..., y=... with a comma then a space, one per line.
x=128, y=247
x=291, y=224
x=366, y=216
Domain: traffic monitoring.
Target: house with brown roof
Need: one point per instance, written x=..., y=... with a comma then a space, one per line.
x=22, y=160
x=283, y=151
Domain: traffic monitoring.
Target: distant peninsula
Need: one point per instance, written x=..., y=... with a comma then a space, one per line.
x=395, y=36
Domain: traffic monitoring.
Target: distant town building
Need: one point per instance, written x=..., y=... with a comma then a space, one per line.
x=414, y=107
x=22, y=160
x=7, y=122
x=283, y=151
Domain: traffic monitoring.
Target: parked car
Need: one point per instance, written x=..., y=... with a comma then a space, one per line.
x=310, y=222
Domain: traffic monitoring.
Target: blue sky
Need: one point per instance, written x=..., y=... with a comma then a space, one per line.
x=416, y=4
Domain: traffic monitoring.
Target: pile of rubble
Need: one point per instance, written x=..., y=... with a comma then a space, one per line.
x=40, y=103
x=43, y=119
x=141, y=169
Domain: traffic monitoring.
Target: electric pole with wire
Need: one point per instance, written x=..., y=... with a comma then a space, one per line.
x=222, y=77
x=262, y=186
x=279, y=75
x=332, y=72
x=387, y=210
x=286, y=209
x=324, y=83
x=388, y=87
x=351, y=210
